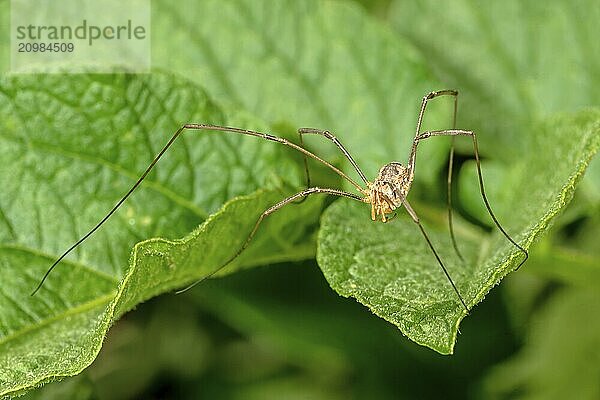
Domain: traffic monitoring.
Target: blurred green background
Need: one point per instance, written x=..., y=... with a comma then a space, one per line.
x=280, y=332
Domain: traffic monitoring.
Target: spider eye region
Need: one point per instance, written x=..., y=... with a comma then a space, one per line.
x=392, y=171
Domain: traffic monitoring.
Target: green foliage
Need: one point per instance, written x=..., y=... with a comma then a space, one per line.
x=311, y=63
x=71, y=145
x=516, y=61
x=390, y=269
x=60, y=330
x=520, y=63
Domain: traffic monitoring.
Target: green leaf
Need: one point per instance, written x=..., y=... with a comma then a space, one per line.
x=310, y=63
x=389, y=268
x=564, y=334
x=70, y=147
x=503, y=58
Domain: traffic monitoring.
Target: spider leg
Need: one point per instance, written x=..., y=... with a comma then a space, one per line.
x=329, y=136
x=303, y=194
x=461, y=132
x=265, y=136
x=430, y=96
x=340, y=146
x=426, y=98
x=385, y=219
x=415, y=218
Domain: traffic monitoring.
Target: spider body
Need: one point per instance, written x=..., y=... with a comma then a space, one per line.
x=388, y=189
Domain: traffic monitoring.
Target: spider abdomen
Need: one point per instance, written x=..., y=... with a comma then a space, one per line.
x=389, y=188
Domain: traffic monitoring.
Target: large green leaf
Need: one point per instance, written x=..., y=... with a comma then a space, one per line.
x=306, y=63
x=389, y=268
x=70, y=146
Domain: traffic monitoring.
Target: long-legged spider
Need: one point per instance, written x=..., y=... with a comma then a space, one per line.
x=385, y=194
